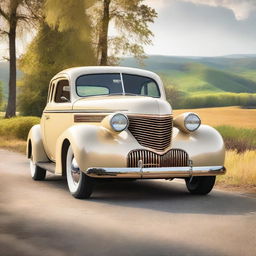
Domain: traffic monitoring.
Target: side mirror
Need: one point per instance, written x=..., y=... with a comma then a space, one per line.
x=64, y=99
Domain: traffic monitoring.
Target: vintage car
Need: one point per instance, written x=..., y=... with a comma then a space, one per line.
x=115, y=123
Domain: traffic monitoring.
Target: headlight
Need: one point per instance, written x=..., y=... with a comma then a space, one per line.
x=119, y=122
x=192, y=122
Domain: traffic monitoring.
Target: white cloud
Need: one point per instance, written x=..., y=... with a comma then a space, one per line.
x=157, y=4
x=241, y=8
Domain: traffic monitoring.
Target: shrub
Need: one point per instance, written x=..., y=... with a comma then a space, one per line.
x=239, y=139
x=17, y=127
x=218, y=100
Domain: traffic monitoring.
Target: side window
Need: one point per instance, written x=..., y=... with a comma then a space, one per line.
x=50, y=92
x=150, y=89
x=62, y=92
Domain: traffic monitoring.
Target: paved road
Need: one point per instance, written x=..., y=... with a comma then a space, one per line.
x=123, y=218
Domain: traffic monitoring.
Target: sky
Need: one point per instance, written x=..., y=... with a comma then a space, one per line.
x=198, y=28
x=204, y=27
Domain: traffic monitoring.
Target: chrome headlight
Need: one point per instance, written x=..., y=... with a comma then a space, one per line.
x=119, y=122
x=192, y=122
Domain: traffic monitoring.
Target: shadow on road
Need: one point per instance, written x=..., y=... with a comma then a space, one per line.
x=32, y=236
x=167, y=196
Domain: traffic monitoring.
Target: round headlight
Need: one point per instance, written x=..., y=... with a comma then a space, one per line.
x=119, y=122
x=192, y=122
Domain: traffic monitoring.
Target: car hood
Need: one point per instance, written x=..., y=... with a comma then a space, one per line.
x=126, y=104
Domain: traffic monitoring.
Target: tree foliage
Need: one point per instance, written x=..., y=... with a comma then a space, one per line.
x=14, y=14
x=131, y=21
x=58, y=45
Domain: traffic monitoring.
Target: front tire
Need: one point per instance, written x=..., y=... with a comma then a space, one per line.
x=37, y=173
x=200, y=185
x=80, y=185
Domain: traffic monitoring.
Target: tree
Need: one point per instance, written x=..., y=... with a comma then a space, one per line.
x=131, y=20
x=12, y=14
x=62, y=42
x=1, y=95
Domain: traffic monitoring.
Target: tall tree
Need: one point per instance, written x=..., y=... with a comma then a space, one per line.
x=61, y=42
x=12, y=12
x=131, y=21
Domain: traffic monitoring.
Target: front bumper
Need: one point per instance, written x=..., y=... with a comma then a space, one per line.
x=155, y=173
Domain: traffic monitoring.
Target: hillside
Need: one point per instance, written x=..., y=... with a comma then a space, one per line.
x=204, y=75
x=201, y=81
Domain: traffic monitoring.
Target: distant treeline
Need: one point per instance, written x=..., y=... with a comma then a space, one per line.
x=213, y=100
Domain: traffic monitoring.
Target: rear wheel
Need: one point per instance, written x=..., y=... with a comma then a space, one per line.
x=80, y=185
x=37, y=173
x=200, y=185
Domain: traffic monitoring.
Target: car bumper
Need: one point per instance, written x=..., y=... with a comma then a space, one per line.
x=155, y=173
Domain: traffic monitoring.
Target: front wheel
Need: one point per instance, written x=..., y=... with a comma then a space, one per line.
x=79, y=184
x=200, y=185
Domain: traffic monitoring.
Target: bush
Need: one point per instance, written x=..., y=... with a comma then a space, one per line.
x=218, y=100
x=239, y=139
x=17, y=127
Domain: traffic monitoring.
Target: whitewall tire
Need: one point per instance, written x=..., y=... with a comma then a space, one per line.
x=79, y=184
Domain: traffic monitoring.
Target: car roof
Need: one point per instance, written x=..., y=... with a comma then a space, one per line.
x=75, y=72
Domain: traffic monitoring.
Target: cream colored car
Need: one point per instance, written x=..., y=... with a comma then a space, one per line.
x=115, y=122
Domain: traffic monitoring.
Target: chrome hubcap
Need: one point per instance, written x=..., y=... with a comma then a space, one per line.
x=75, y=171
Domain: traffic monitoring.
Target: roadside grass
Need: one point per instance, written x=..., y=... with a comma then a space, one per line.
x=14, y=131
x=239, y=139
x=17, y=127
x=13, y=144
x=232, y=116
x=241, y=169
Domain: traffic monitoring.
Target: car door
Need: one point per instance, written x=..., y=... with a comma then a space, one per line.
x=57, y=116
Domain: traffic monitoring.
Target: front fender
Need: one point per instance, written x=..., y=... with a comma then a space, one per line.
x=35, y=145
x=205, y=146
x=94, y=145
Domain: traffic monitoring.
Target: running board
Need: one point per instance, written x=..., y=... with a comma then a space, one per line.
x=49, y=166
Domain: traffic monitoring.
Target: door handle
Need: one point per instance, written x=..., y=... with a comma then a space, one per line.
x=47, y=117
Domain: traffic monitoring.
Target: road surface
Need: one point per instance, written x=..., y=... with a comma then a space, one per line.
x=123, y=218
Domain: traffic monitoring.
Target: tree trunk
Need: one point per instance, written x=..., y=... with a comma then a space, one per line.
x=11, y=106
x=103, y=37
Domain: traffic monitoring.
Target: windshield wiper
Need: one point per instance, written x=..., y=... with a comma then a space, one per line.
x=127, y=93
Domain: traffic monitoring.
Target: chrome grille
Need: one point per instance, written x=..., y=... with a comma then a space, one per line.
x=152, y=131
x=172, y=158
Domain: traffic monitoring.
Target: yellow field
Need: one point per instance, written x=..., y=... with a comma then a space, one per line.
x=241, y=169
x=234, y=116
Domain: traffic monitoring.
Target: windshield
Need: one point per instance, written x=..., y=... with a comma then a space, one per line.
x=116, y=84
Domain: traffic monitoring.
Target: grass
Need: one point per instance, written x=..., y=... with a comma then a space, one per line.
x=241, y=169
x=239, y=139
x=17, y=127
x=231, y=116
x=13, y=144
x=14, y=131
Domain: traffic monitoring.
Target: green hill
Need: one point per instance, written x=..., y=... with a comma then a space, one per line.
x=202, y=80
x=201, y=75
